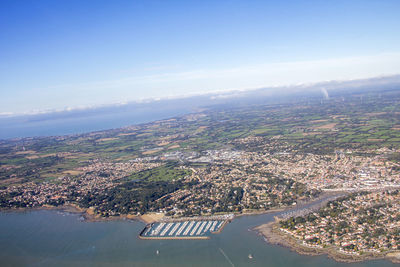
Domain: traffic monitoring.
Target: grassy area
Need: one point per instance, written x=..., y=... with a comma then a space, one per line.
x=311, y=128
x=168, y=172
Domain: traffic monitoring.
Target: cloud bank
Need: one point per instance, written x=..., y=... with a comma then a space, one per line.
x=202, y=81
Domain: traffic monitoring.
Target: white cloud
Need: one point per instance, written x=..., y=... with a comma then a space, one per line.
x=135, y=88
x=284, y=73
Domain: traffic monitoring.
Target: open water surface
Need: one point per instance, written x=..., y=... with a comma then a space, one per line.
x=53, y=238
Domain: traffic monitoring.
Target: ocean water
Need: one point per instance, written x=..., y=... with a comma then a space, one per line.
x=66, y=123
x=53, y=238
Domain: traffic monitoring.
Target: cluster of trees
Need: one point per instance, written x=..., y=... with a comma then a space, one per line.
x=133, y=196
x=292, y=222
x=6, y=200
x=234, y=196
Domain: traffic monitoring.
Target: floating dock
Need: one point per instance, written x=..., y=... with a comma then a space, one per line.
x=196, y=228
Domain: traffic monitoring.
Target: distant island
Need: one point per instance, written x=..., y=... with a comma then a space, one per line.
x=239, y=160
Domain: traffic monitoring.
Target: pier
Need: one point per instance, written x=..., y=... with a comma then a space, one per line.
x=188, y=228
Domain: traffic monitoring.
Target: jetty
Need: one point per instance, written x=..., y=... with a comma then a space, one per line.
x=186, y=228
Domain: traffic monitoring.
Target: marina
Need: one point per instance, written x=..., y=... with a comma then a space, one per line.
x=193, y=228
x=49, y=238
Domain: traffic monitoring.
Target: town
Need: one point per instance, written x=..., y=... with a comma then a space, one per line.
x=255, y=181
x=357, y=224
x=216, y=162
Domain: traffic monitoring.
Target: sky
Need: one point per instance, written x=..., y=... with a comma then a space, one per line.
x=61, y=55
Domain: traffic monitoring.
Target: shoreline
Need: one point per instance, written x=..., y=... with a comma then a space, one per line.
x=74, y=209
x=271, y=233
x=148, y=217
x=269, y=230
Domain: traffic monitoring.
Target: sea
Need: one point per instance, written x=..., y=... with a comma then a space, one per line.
x=57, y=238
x=76, y=122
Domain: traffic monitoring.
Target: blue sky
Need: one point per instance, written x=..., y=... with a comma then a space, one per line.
x=57, y=55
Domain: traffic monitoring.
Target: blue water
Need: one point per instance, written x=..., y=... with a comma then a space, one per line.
x=56, y=124
x=51, y=238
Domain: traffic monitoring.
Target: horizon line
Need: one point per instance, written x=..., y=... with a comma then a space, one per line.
x=189, y=95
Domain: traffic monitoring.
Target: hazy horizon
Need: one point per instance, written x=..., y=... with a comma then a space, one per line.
x=97, y=118
x=228, y=93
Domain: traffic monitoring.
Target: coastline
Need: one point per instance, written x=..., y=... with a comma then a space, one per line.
x=271, y=233
x=146, y=218
x=151, y=217
x=85, y=213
